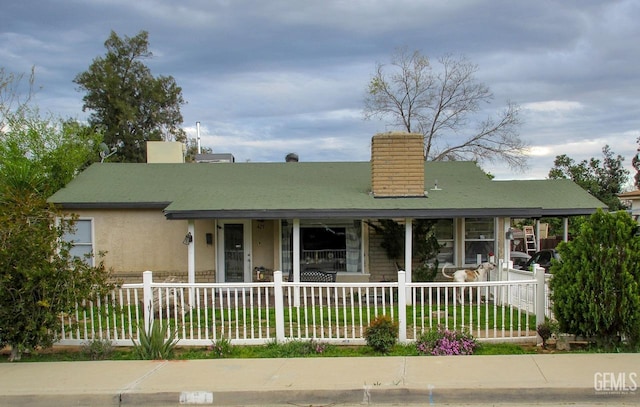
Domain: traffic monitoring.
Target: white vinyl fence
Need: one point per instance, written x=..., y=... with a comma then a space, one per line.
x=520, y=275
x=257, y=313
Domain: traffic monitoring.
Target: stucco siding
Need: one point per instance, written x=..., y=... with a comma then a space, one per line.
x=264, y=247
x=139, y=240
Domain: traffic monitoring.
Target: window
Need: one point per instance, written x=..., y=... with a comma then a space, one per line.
x=323, y=248
x=325, y=245
x=81, y=239
x=479, y=239
x=445, y=235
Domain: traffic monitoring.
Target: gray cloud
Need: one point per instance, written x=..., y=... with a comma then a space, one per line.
x=267, y=78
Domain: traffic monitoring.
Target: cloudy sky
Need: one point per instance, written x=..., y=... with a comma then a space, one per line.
x=269, y=77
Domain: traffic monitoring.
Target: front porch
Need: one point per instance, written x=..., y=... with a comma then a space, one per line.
x=248, y=250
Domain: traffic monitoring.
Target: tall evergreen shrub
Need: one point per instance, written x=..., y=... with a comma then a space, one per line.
x=596, y=286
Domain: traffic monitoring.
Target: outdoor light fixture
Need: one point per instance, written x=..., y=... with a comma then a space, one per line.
x=187, y=239
x=509, y=234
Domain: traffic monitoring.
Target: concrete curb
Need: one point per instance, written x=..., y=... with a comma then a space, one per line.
x=364, y=396
x=583, y=379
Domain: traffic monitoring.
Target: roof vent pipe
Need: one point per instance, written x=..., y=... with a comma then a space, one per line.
x=291, y=158
x=198, y=137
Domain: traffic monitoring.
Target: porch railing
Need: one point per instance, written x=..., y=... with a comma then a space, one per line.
x=257, y=313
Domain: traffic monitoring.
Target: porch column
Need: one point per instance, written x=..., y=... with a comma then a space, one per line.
x=506, y=254
x=565, y=229
x=408, y=241
x=296, y=261
x=296, y=250
x=538, y=234
x=191, y=253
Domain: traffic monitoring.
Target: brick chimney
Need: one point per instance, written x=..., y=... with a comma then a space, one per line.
x=397, y=165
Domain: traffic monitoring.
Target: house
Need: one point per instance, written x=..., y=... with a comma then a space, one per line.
x=233, y=222
x=634, y=198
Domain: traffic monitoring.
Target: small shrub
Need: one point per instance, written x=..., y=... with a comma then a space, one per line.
x=425, y=273
x=442, y=342
x=221, y=348
x=156, y=344
x=546, y=330
x=312, y=347
x=382, y=334
x=98, y=349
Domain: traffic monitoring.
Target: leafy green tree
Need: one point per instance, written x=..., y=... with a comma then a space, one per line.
x=596, y=286
x=604, y=179
x=127, y=101
x=424, y=245
x=440, y=104
x=39, y=278
x=192, y=150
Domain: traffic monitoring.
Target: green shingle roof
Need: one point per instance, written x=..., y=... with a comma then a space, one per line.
x=313, y=189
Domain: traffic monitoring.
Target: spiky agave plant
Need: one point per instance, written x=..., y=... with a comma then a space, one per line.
x=158, y=343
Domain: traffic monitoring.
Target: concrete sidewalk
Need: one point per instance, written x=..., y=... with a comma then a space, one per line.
x=611, y=379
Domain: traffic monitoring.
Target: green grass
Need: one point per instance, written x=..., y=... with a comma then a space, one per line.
x=226, y=322
x=502, y=349
x=270, y=350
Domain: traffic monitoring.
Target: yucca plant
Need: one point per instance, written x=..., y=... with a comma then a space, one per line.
x=158, y=343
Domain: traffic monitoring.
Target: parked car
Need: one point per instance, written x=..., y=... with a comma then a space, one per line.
x=519, y=259
x=543, y=259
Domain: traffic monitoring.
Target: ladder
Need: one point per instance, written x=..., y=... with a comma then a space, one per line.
x=529, y=240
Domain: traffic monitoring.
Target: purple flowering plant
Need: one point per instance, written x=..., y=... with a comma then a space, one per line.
x=444, y=342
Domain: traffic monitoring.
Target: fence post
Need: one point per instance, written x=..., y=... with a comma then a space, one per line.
x=279, y=305
x=402, y=306
x=147, y=299
x=540, y=296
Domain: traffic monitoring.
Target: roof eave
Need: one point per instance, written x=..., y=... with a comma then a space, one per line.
x=571, y=212
x=113, y=205
x=372, y=213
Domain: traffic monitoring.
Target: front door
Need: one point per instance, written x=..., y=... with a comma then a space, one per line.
x=234, y=263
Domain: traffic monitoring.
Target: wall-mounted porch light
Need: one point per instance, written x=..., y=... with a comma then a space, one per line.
x=509, y=234
x=187, y=239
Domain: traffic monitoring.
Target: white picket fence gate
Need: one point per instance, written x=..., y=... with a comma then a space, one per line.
x=339, y=313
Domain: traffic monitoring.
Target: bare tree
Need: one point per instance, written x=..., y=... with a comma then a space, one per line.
x=13, y=98
x=441, y=105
